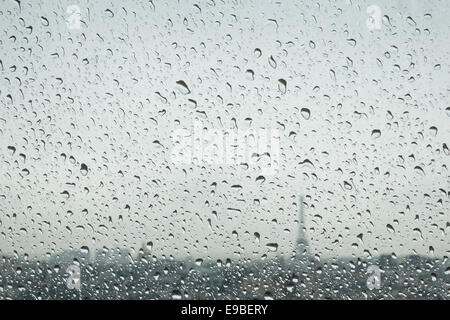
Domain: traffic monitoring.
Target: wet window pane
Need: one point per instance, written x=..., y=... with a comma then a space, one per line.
x=212, y=149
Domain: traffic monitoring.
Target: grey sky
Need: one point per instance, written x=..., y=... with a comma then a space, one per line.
x=106, y=93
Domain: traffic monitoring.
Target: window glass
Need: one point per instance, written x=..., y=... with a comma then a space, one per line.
x=214, y=149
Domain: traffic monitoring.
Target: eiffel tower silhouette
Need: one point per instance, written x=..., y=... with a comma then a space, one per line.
x=302, y=248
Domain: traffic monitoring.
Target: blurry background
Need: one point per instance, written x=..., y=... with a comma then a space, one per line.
x=87, y=116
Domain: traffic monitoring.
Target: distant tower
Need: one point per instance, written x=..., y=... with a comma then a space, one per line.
x=302, y=241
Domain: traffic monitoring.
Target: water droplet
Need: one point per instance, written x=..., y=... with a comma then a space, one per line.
x=183, y=87
x=272, y=246
x=65, y=194
x=419, y=170
x=305, y=113
x=347, y=185
x=376, y=133
x=84, y=169
x=272, y=62
x=390, y=228
x=176, y=295
x=260, y=179
x=433, y=131
x=282, y=84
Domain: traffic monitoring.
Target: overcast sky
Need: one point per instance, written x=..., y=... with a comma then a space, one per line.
x=363, y=124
